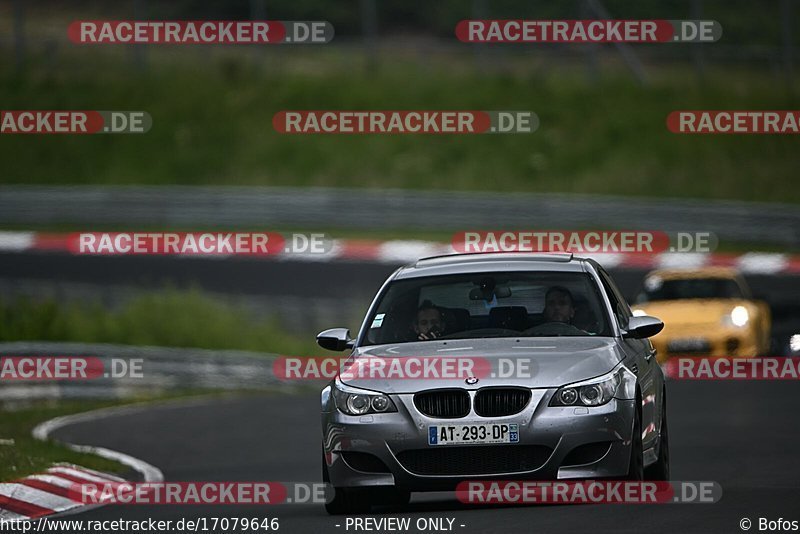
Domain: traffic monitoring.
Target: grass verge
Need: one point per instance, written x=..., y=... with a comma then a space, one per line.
x=21, y=454
x=25, y=455
x=167, y=318
x=212, y=124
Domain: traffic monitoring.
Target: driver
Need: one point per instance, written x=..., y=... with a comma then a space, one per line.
x=428, y=323
x=558, y=305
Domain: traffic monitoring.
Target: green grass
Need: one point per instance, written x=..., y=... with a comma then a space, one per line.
x=28, y=455
x=212, y=124
x=168, y=318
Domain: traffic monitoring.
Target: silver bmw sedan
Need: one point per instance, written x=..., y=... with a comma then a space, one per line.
x=492, y=367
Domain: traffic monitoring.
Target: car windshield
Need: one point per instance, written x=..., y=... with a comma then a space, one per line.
x=656, y=288
x=485, y=305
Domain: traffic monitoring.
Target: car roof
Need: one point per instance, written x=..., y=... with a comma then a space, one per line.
x=492, y=261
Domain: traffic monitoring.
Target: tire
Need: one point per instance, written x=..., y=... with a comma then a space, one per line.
x=345, y=500
x=636, y=463
x=349, y=501
x=660, y=469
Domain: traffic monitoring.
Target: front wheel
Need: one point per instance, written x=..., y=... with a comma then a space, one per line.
x=345, y=500
x=636, y=463
x=660, y=469
x=349, y=501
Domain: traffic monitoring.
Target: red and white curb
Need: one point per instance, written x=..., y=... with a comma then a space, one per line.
x=53, y=491
x=406, y=251
x=48, y=493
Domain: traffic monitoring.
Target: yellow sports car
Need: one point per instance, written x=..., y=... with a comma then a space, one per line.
x=706, y=312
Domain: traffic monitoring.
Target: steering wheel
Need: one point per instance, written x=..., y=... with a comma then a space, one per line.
x=554, y=328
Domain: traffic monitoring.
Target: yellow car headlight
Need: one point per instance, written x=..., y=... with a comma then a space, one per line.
x=738, y=317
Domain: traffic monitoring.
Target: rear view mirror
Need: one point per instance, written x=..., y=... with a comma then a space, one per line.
x=643, y=326
x=499, y=292
x=335, y=339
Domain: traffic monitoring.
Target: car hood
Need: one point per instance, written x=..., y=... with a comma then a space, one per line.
x=553, y=362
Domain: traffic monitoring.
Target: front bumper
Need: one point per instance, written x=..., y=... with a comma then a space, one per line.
x=551, y=432
x=739, y=343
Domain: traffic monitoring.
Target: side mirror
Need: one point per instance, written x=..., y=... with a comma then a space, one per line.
x=643, y=326
x=335, y=339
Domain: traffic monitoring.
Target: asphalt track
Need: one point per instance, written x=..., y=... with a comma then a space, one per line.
x=743, y=435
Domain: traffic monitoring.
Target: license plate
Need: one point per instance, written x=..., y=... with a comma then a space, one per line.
x=473, y=434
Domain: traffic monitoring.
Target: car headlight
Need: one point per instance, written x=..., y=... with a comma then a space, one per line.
x=739, y=317
x=355, y=401
x=594, y=392
x=794, y=343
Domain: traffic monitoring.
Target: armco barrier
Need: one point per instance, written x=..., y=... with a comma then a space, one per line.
x=272, y=207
